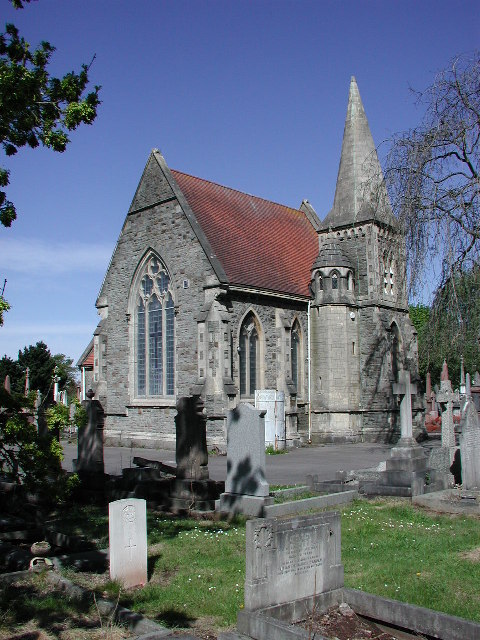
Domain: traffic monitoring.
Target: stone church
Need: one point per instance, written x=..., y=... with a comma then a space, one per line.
x=193, y=302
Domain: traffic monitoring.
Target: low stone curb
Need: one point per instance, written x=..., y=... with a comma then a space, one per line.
x=301, y=506
x=134, y=621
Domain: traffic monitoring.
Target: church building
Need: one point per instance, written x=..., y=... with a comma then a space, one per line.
x=193, y=302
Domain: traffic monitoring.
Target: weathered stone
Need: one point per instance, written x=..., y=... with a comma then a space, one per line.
x=470, y=447
x=127, y=527
x=191, y=439
x=90, y=440
x=291, y=559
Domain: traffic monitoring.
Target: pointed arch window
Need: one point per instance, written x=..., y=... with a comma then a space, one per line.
x=334, y=280
x=249, y=356
x=154, y=331
x=295, y=355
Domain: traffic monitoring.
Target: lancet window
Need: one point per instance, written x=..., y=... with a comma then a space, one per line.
x=154, y=331
x=249, y=356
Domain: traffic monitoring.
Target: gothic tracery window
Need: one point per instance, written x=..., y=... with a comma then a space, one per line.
x=249, y=354
x=154, y=332
x=334, y=280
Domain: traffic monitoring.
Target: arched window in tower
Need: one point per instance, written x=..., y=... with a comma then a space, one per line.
x=295, y=354
x=154, y=331
x=249, y=356
x=350, y=281
x=320, y=282
x=388, y=275
x=334, y=280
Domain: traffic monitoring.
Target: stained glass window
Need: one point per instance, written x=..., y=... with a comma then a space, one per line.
x=155, y=332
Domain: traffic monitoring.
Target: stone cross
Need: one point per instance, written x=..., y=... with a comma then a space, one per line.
x=27, y=382
x=446, y=396
x=405, y=389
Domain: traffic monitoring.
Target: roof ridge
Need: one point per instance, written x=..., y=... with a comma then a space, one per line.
x=245, y=193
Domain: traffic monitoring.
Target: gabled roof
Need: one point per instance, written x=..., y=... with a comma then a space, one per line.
x=260, y=244
x=87, y=357
x=360, y=193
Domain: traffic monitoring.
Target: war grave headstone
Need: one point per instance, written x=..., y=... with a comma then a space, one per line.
x=273, y=402
x=89, y=461
x=246, y=489
x=294, y=570
x=127, y=528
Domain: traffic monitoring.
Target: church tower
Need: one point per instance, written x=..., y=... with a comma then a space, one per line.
x=361, y=334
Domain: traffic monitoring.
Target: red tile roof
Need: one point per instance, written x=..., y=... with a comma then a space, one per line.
x=259, y=243
x=88, y=361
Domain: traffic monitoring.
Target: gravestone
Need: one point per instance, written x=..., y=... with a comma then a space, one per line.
x=292, y=559
x=446, y=397
x=39, y=419
x=90, y=439
x=127, y=528
x=7, y=384
x=470, y=447
x=406, y=390
x=191, y=439
x=246, y=489
x=273, y=402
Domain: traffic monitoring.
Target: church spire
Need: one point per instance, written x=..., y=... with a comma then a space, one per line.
x=360, y=193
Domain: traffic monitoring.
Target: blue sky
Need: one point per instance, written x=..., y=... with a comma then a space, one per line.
x=252, y=95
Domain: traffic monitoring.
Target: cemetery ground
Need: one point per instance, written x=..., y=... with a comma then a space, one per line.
x=196, y=570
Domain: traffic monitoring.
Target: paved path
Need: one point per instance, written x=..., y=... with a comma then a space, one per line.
x=290, y=468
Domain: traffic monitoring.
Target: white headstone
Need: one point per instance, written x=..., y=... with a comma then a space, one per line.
x=127, y=527
x=273, y=402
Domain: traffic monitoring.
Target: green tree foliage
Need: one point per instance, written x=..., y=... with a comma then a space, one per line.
x=42, y=366
x=25, y=457
x=4, y=307
x=451, y=328
x=433, y=175
x=35, y=107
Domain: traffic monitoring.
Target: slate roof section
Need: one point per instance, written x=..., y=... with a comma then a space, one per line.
x=331, y=255
x=260, y=244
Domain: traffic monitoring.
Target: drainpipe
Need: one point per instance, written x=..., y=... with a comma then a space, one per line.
x=309, y=367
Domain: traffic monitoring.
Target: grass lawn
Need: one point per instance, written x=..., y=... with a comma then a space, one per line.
x=389, y=548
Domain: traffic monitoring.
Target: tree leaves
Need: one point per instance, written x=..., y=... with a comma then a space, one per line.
x=36, y=108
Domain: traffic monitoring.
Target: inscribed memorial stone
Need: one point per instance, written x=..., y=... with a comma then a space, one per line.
x=470, y=447
x=127, y=527
x=292, y=559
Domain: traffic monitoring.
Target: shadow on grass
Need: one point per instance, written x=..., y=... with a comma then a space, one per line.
x=172, y=618
x=26, y=603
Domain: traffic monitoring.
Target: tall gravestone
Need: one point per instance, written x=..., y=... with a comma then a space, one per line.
x=470, y=446
x=446, y=397
x=127, y=528
x=246, y=489
x=292, y=559
x=191, y=439
x=90, y=439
